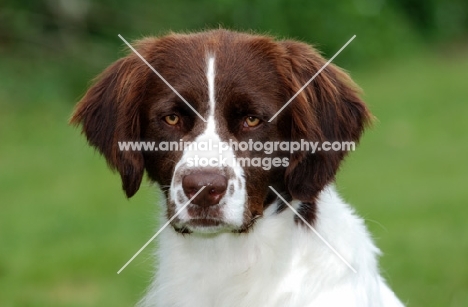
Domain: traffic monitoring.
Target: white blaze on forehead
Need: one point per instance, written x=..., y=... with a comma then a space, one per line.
x=210, y=75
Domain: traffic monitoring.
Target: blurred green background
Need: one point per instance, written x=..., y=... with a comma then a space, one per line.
x=66, y=227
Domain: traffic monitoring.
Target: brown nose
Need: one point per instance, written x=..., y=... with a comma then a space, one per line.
x=215, y=187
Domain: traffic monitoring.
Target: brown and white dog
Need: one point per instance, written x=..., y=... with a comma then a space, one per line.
x=236, y=243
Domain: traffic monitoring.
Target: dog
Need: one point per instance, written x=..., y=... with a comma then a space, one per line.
x=272, y=233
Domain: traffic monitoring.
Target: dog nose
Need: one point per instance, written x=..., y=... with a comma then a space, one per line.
x=215, y=188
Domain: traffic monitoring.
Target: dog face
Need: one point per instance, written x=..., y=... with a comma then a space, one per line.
x=236, y=82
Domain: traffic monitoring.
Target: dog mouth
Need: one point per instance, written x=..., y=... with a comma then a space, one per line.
x=203, y=226
x=204, y=222
x=212, y=226
x=213, y=219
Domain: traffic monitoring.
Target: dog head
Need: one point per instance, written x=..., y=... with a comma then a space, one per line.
x=226, y=86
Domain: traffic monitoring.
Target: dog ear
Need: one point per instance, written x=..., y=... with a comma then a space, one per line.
x=109, y=113
x=328, y=109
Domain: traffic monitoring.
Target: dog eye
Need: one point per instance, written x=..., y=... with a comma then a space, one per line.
x=172, y=119
x=251, y=121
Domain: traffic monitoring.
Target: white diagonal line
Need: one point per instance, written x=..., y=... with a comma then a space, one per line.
x=311, y=79
x=313, y=229
x=160, y=230
x=161, y=77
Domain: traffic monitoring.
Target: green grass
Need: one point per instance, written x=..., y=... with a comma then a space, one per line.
x=66, y=227
x=409, y=177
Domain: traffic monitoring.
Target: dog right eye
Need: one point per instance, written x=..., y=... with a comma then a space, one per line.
x=171, y=119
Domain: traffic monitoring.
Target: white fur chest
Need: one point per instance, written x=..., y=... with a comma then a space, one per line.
x=277, y=263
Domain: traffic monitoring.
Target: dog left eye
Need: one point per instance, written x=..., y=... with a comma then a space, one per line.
x=172, y=119
x=251, y=121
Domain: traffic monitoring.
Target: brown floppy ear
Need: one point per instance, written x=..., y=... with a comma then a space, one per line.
x=109, y=113
x=328, y=109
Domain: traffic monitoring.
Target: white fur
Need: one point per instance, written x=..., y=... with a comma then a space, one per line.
x=278, y=263
x=210, y=76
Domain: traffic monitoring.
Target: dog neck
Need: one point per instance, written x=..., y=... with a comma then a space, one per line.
x=210, y=266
